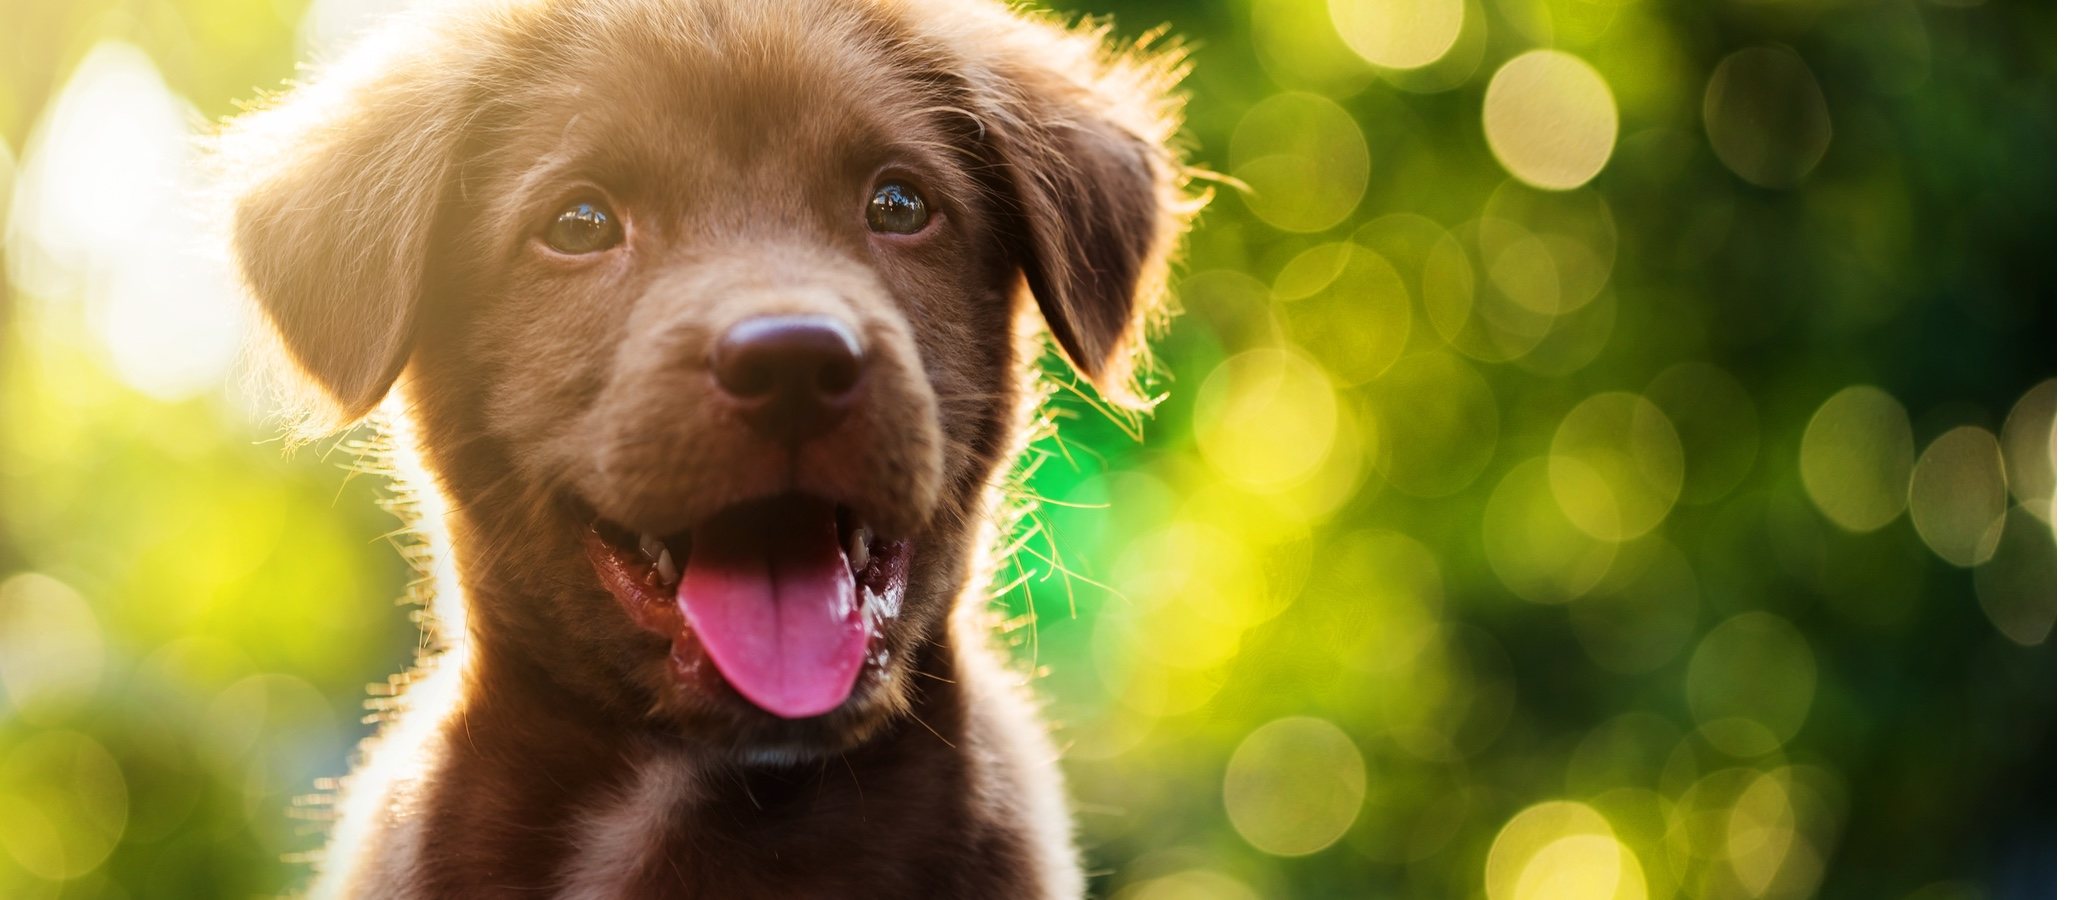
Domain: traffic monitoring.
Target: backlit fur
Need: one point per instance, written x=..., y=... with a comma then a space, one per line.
x=385, y=217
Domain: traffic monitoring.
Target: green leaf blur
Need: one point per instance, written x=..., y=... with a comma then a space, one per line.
x=1608, y=452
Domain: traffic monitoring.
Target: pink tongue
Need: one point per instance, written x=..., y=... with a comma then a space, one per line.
x=774, y=607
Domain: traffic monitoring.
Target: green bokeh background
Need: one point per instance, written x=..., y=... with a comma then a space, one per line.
x=1464, y=497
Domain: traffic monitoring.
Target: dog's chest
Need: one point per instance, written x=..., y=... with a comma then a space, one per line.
x=672, y=831
x=617, y=842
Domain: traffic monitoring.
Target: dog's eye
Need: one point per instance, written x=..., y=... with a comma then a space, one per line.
x=583, y=228
x=896, y=209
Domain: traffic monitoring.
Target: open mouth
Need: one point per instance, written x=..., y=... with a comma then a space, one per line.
x=786, y=597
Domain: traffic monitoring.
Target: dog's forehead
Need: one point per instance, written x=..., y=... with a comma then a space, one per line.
x=805, y=74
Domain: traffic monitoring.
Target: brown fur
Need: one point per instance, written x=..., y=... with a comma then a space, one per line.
x=384, y=217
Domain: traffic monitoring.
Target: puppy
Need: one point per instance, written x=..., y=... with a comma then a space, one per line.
x=711, y=324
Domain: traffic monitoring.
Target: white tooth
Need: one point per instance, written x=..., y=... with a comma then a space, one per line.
x=650, y=545
x=857, y=549
x=666, y=571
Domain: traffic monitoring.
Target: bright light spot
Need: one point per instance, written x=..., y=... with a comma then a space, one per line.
x=1458, y=63
x=51, y=650
x=1442, y=424
x=1265, y=418
x=1562, y=850
x=1192, y=884
x=1294, y=786
x=1199, y=587
x=1765, y=116
x=2030, y=451
x=1637, y=624
x=1550, y=119
x=1957, y=496
x=1760, y=833
x=1123, y=661
x=103, y=214
x=1346, y=304
x=1756, y=668
x=1716, y=420
x=1304, y=161
x=1334, y=482
x=7, y=175
x=1616, y=466
x=2017, y=588
x=330, y=26
x=1856, y=458
x=1398, y=34
x=1582, y=867
x=1193, y=588
x=1533, y=546
x=63, y=804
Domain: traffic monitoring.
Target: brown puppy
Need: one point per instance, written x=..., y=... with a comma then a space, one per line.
x=710, y=323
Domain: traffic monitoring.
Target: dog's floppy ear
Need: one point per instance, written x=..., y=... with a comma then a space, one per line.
x=334, y=191
x=1081, y=136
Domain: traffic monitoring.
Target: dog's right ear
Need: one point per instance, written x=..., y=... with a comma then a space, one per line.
x=334, y=192
x=1079, y=140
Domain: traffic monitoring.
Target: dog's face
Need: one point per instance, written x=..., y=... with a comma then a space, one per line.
x=712, y=318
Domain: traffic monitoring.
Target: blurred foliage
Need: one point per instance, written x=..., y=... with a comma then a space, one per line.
x=1608, y=452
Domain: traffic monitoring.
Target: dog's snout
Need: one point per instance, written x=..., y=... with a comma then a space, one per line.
x=793, y=377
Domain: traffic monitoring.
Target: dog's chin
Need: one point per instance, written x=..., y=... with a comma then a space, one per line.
x=777, y=620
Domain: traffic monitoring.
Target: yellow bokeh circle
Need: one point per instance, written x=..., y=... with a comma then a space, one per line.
x=1766, y=117
x=1346, y=304
x=1303, y=159
x=1562, y=850
x=1533, y=546
x=1265, y=419
x=1550, y=119
x=1617, y=466
x=1957, y=496
x=1752, y=670
x=1294, y=786
x=2029, y=437
x=2017, y=587
x=1398, y=34
x=1856, y=458
x=51, y=649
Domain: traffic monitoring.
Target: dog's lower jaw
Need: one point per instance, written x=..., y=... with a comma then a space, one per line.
x=517, y=792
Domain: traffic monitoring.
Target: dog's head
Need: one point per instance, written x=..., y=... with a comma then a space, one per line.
x=711, y=318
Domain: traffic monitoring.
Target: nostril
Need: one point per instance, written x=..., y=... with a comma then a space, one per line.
x=838, y=376
x=742, y=377
x=791, y=373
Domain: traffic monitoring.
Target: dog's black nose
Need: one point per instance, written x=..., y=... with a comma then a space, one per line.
x=791, y=376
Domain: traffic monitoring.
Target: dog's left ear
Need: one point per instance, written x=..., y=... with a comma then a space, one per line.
x=1080, y=136
x=332, y=194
